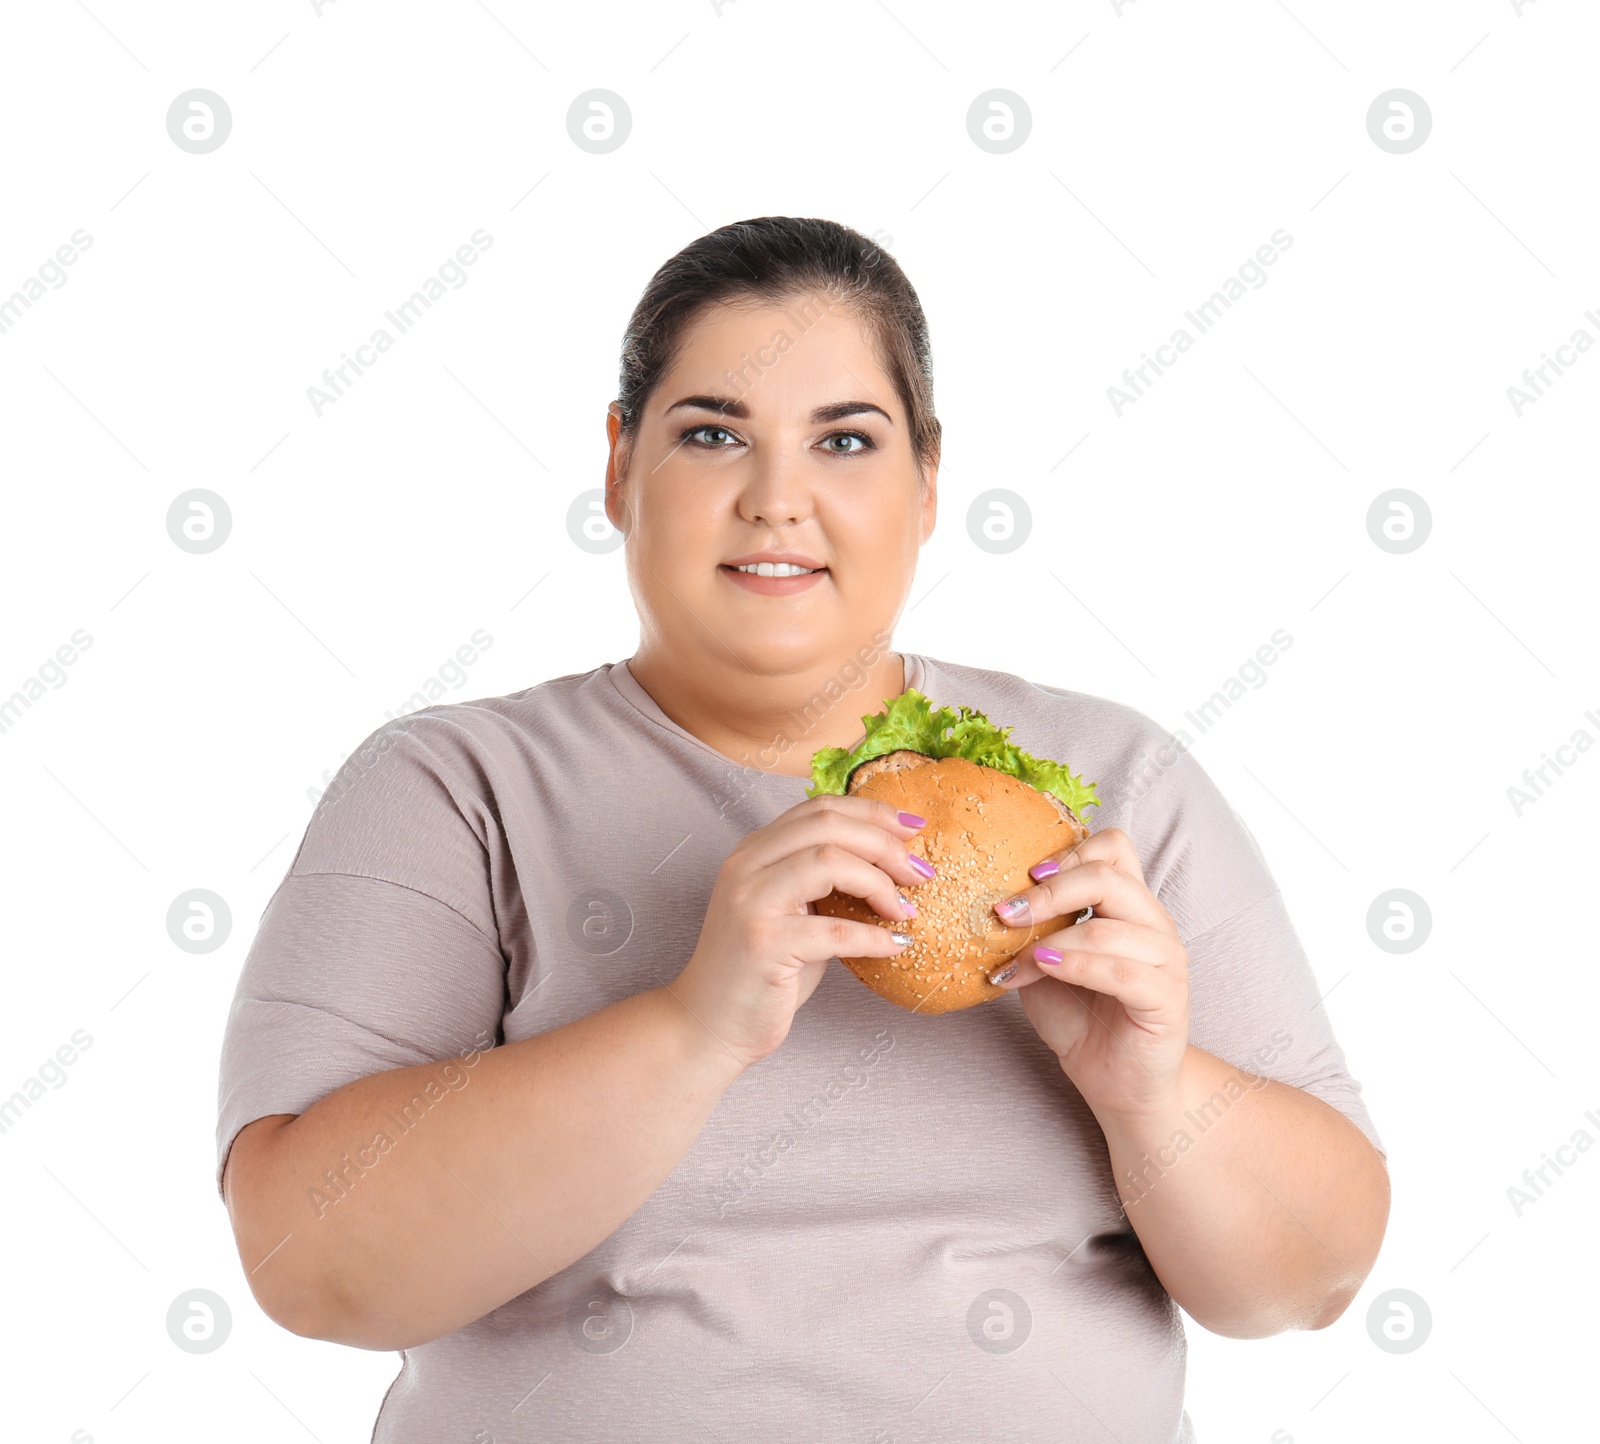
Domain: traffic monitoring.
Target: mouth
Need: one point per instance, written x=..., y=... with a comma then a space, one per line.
x=773, y=579
x=774, y=569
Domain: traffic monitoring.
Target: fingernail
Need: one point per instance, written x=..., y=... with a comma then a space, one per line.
x=907, y=904
x=1041, y=870
x=902, y=938
x=1012, y=907
x=1048, y=956
x=910, y=819
x=922, y=865
x=1004, y=975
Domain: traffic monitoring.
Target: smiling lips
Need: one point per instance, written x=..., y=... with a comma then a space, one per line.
x=774, y=585
x=774, y=574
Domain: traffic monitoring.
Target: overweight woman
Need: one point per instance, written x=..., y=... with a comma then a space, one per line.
x=543, y=1070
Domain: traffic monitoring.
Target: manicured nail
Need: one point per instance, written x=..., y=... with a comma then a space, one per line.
x=1004, y=975
x=1048, y=956
x=922, y=865
x=1041, y=870
x=907, y=904
x=910, y=819
x=1012, y=908
x=902, y=938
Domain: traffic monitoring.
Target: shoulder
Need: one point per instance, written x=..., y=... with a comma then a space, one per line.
x=1198, y=856
x=532, y=707
x=482, y=727
x=454, y=760
x=1109, y=743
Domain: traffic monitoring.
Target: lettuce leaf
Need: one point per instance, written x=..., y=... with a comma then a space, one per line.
x=912, y=721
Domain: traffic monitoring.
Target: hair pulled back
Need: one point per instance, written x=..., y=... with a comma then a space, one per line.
x=773, y=259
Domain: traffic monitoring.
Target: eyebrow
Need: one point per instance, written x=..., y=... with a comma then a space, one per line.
x=726, y=406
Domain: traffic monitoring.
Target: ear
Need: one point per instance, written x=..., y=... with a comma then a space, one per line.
x=618, y=511
x=930, y=501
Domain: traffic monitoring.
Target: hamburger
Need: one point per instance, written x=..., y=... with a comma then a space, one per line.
x=993, y=812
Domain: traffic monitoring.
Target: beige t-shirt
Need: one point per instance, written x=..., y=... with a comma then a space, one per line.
x=896, y=1227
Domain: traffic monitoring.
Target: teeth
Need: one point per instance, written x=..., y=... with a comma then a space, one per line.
x=778, y=569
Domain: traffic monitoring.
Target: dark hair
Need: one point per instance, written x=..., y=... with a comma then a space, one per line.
x=772, y=258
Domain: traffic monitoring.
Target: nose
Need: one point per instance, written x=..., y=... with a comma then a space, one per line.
x=775, y=491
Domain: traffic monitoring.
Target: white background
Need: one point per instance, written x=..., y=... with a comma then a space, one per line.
x=367, y=544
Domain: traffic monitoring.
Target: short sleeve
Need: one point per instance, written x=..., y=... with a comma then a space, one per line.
x=379, y=949
x=1254, y=1000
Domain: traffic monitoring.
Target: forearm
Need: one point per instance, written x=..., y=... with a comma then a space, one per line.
x=1259, y=1207
x=545, y=1149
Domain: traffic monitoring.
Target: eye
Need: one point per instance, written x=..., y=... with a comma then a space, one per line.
x=862, y=437
x=723, y=435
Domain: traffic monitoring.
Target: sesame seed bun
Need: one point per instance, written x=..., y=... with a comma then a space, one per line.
x=985, y=829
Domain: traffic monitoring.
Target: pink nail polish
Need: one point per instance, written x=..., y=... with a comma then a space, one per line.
x=1041, y=870
x=1048, y=956
x=910, y=819
x=1012, y=907
x=922, y=865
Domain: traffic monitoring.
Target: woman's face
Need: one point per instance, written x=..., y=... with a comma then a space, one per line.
x=775, y=430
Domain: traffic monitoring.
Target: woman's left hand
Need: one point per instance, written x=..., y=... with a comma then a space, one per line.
x=1115, y=1008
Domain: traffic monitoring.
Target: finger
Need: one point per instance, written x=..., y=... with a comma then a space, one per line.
x=868, y=826
x=866, y=836
x=1113, y=846
x=900, y=824
x=816, y=938
x=1108, y=936
x=1097, y=884
x=813, y=872
x=1139, y=987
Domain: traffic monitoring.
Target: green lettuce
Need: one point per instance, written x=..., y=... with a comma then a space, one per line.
x=912, y=721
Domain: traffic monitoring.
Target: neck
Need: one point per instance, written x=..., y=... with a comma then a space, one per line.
x=768, y=720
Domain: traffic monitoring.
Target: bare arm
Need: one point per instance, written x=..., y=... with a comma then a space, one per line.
x=1260, y=1207
x=1259, y=1214
x=409, y=1203
x=497, y=1176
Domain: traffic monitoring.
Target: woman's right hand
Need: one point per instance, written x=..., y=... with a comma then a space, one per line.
x=763, y=947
